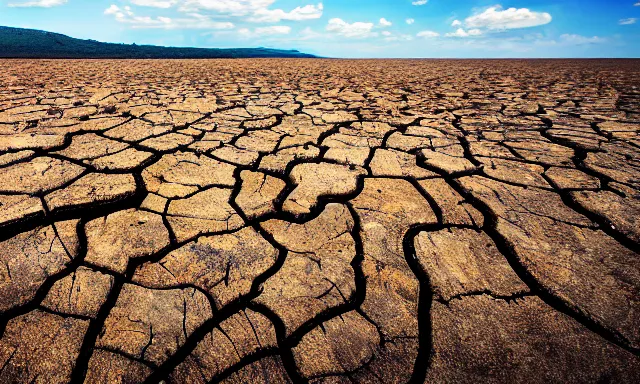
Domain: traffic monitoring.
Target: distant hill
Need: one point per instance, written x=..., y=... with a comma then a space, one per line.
x=32, y=43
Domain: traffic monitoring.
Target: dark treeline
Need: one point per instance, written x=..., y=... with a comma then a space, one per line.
x=31, y=43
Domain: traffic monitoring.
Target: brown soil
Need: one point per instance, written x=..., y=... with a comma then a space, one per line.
x=321, y=221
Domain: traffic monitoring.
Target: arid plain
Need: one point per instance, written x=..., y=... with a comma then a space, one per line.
x=325, y=221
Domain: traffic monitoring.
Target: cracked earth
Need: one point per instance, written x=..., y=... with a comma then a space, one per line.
x=273, y=221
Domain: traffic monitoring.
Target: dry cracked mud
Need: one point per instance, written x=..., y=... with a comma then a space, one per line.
x=322, y=221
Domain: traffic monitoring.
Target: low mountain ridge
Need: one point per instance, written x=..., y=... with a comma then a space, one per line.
x=33, y=43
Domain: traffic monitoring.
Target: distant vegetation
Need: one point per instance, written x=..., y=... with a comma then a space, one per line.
x=31, y=43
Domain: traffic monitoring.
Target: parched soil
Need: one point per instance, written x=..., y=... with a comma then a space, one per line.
x=324, y=221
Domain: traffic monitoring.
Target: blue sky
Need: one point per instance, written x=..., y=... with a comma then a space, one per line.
x=351, y=28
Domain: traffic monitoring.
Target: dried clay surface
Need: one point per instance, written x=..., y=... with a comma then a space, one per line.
x=319, y=221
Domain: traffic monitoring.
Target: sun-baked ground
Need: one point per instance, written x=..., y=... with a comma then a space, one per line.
x=269, y=221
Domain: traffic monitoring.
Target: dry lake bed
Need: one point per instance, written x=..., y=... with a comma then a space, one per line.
x=324, y=221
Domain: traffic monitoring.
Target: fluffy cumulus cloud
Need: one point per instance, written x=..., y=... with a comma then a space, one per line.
x=420, y=2
x=410, y=21
x=385, y=23
x=356, y=30
x=629, y=21
x=456, y=23
x=194, y=21
x=206, y=14
x=462, y=33
x=37, y=3
x=258, y=11
x=306, y=12
x=496, y=18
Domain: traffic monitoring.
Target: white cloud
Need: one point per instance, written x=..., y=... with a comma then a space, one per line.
x=37, y=3
x=410, y=21
x=637, y=4
x=629, y=21
x=201, y=14
x=230, y=7
x=120, y=13
x=155, y=3
x=462, y=33
x=195, y=21
x=420, y=2
x=427, y=34
x=456, y=23
x=307, y=12
x=257, y=11
x=112, y=10
x=497, y=19
x=356, y=30
x=385, y=23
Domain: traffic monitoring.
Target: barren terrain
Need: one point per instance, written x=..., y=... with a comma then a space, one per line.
x=325, y=221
